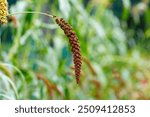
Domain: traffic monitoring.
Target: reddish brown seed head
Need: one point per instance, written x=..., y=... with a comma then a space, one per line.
x=75, y=47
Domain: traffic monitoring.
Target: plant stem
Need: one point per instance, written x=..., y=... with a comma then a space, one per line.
x=32, y=12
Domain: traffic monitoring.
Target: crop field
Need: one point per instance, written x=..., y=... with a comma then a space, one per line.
x=75, y=49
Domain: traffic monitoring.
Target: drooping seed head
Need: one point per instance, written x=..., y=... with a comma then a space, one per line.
x=75, y=47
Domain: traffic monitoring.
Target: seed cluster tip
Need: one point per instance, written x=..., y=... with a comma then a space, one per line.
x=3, y=11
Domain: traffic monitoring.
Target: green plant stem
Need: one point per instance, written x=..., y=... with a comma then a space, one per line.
x=31, y=12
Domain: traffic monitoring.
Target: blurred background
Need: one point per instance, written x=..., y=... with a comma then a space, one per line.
x=114, y=35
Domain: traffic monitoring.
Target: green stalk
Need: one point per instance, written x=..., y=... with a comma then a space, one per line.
x=31, y=12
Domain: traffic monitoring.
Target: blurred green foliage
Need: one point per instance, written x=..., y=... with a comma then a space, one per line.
x=35, y=57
